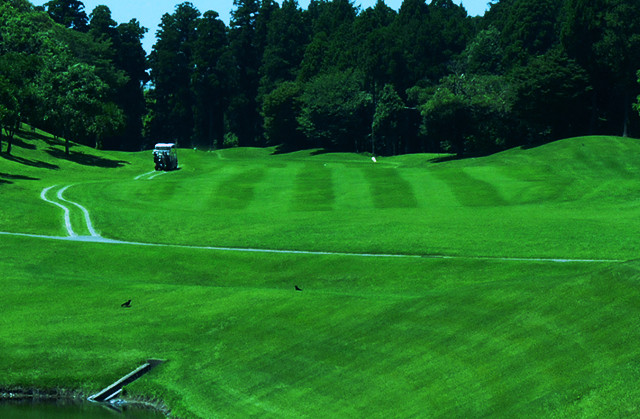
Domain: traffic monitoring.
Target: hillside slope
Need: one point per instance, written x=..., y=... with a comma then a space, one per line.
x=575, y=198
x=367, y=336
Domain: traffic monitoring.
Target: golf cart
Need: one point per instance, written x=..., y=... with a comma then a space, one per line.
x=165, y=156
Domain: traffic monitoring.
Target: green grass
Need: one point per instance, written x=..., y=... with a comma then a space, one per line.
x=368, y=337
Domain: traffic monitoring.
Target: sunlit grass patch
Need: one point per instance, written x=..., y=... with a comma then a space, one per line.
x=474, y=335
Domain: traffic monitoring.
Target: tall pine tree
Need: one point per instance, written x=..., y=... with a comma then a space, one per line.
x=171, y=72
x=244, y=118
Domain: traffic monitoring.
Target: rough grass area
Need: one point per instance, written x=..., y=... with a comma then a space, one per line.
x=367, y=337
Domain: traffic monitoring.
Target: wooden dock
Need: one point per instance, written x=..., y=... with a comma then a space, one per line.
x=115, y=389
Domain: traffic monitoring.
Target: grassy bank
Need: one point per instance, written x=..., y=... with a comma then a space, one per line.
x=367, y=337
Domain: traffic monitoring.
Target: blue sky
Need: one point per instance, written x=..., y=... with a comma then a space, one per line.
x=149, y=12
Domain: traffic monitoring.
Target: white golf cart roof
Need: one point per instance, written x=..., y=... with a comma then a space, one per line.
x=165, y=145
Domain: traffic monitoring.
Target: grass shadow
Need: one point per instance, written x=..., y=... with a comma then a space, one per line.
x=34, y=135
x=17, y=177
x=17, y=142
x=286, y=149
x=446, y=158
x=536, y=144
x=26, y=162
x=5, y=176
x=453, y=157
x=86, y=159
x=320, y=152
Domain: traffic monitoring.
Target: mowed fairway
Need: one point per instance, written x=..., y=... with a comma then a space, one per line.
x=491, y=330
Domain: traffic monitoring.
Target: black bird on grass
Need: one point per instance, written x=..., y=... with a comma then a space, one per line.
x=126, y=304
x=298, y=288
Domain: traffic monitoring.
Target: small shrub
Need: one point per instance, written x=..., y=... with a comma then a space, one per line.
x=230, y=140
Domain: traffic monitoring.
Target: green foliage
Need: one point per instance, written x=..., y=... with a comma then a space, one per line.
x=246, y=48
x=637, y=104
x=604, y=38
x=280, y=110
x=386, y=129
x=18, y=92
x=550, y=92
x=77, y=103
x=284, y=50
x=314, y=60
x=230, y=140
x=527, y=27
x=126, y=53
x=447, y=117
x=62, y=79
x=427, y=38
x=108, y=121
x=9, y=115
x=469, y=113
x=375, y=50
x=102, y=26
x=131, y=59
x=334, y=111
x=484, y=54
x=209, y=79
x=69, y=13
x=172, y=66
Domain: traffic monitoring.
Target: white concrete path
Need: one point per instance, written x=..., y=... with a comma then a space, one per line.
x=87, y=219
x=149, y=175
x=143, y=175
x=67, y=211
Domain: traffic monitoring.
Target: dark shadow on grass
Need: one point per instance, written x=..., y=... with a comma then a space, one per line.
x=86, y=159
x=5, y=176
x=536, y=144
x=32, y=163
x=448, y=157
x=17, y=177
x=454, y=157
x=321, y=151
x=286, y=149
x=17, y=142
x=32, y=135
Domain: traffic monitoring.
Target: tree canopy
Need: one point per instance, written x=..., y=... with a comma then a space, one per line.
x=424, y=78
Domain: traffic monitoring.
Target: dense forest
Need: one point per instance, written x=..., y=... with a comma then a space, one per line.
x=427, y=78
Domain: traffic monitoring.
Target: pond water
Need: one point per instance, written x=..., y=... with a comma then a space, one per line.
x=70, y=410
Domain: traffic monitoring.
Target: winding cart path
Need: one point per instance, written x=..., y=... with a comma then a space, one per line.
x=65, y=204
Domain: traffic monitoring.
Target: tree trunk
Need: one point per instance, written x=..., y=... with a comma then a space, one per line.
x=211, y=135
x=375, y=105
x=10, y=133
x=594, y=113
x=66, y=141
x=627, y=105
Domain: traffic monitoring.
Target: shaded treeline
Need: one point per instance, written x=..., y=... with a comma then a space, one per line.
x=78, y=77
x=426, y=78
